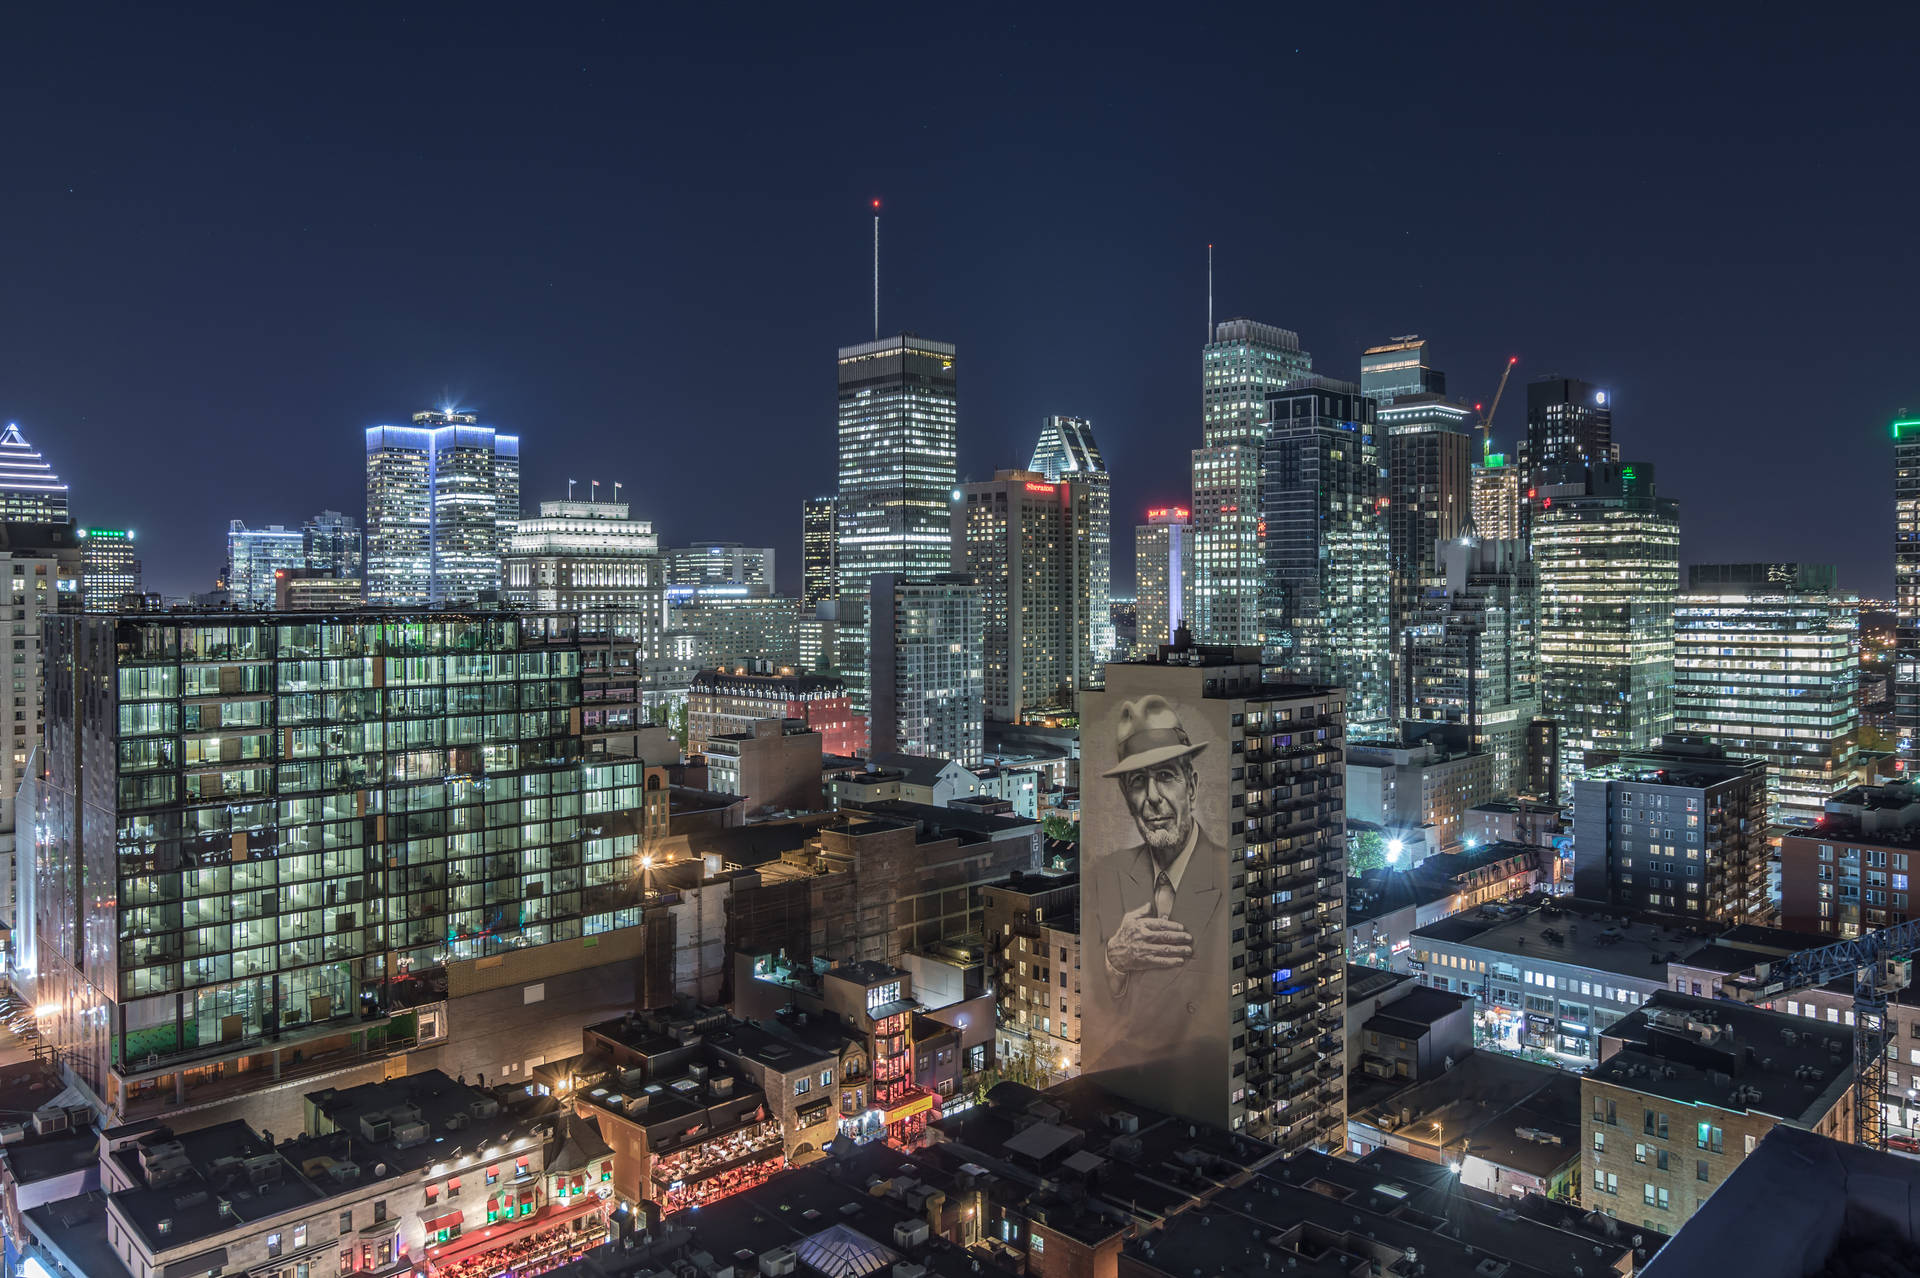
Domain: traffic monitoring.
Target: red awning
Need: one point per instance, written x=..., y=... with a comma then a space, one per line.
x=491, y=1236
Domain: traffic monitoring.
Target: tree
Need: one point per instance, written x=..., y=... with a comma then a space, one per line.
x=1059, y=827
x=1368, y=851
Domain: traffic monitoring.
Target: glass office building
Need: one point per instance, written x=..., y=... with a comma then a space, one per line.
x=1067, y=453
x=443, y=495
x=109, y=567
x=255, y=559
x=252, y=829
x=30, y=493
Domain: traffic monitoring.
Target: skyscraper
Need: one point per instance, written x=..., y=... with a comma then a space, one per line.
x=30, y=493
x=1471, y=655
x=1906, y=591
x=1162, y=575
x=254, y=557
x=333, y=546
x=42, y=566
x=1216, y=802
x=1244, y=361
x=929, y=677
x=1030, y=547
x=1398, y=369
x=1497, y=485
x=1766, y=663
x=1607, y=550
x=1569, y=423
x=1324, y=601
x=109, y=567
x=1429, y=459
x=819, y=551
x=442, y=494
x=898, y=428
x=1066, y=451
x=721, y=563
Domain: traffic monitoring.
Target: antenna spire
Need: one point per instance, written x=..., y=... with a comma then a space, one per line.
x=876, y=270
x=1209, y=292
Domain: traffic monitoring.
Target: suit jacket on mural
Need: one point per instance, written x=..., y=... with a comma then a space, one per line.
x=1146, y=1022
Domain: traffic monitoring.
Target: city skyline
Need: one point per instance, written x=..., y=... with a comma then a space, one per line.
x=1648, y=284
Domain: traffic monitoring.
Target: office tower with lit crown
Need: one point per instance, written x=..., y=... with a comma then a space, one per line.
x=1066, y=451
x=1029, y=545
x=898, y=435
x=1497, y=485
x=1906, y=591
x=819, y=551
x=256, y=558
x=109, y=567
x=1162, y=575
x=929, y=675
x=590, y=559
x=256, y=829
x=1324, y=599
x=1766, y=663
x=1217, y=801
x=1399, y=369
x=30, y=493
x=1471, y=655
x=1243, y=363
x=1607, y=549
x=442, y=495
x=1569, y=424
x=333, y=547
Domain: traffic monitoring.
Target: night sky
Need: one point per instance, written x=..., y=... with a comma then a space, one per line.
x=233, y=239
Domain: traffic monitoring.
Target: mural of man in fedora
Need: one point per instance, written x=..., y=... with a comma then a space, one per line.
x=1155, y=931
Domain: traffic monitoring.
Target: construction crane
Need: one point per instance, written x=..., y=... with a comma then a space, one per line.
x=1486, y=423
x=1881, y=965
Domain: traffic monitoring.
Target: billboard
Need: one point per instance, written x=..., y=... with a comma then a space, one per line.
x=1155, y=898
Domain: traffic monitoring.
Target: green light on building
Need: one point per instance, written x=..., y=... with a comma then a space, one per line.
x=1495, y=460
x=1906, y=422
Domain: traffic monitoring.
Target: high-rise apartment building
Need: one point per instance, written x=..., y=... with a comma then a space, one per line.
x=442, y=497
x=708, y=564
x=1325, y=597
x=1766, y=664
x=898, y=432
x=1428, y=451
x=333, y=545
x=109, y=567
x=30, y=493
x=819, y=551
x=1906, y=591
x=929, y=667
x=255, y=559
x=256, y=827
x=1497, y=485
x=1607, y=549
x=1162, y=575
x=1029, y=545
x=1213, y=894
x=1066, y=452
x=1471, y=655
x=1678, y=827
x=1243, y=363
x=1569, y=423
x=590, y=559
x=1399, y=369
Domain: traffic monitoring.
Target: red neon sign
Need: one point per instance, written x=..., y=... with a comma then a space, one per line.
x=1161, y=512
x=1039, y=488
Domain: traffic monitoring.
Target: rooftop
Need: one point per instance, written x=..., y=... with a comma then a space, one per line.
x=1479, y=1107
x=1420, y=1007
x=1702, y=1051
x=193, y=1185
x=1556, y=930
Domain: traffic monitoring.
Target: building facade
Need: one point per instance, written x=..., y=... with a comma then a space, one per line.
x=333, y=545
x=1470, y=656
x=1028, y=543
x=819, y=551
x=443, y=496
x=1569, y=424
x=109, y=567
x=1325, y=598
x=30, y=493
x=721, y=563
x=1427, y=448
x=1607, y=549
x=1497, y=486
x=1680, y=828
x=1766, y=663
x=1067, y=453
x=255, y=559
x=929, y=667
x=1215, y=800
x=721, y=701
x=1906, y=590
x=1851, y=873
x=1162, y=575
x=257, y=829
x=1239, y=366
x=1033, y=952
x=898, y=432
x=1399, y=368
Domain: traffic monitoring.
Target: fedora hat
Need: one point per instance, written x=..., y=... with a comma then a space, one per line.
x=1150, y=733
